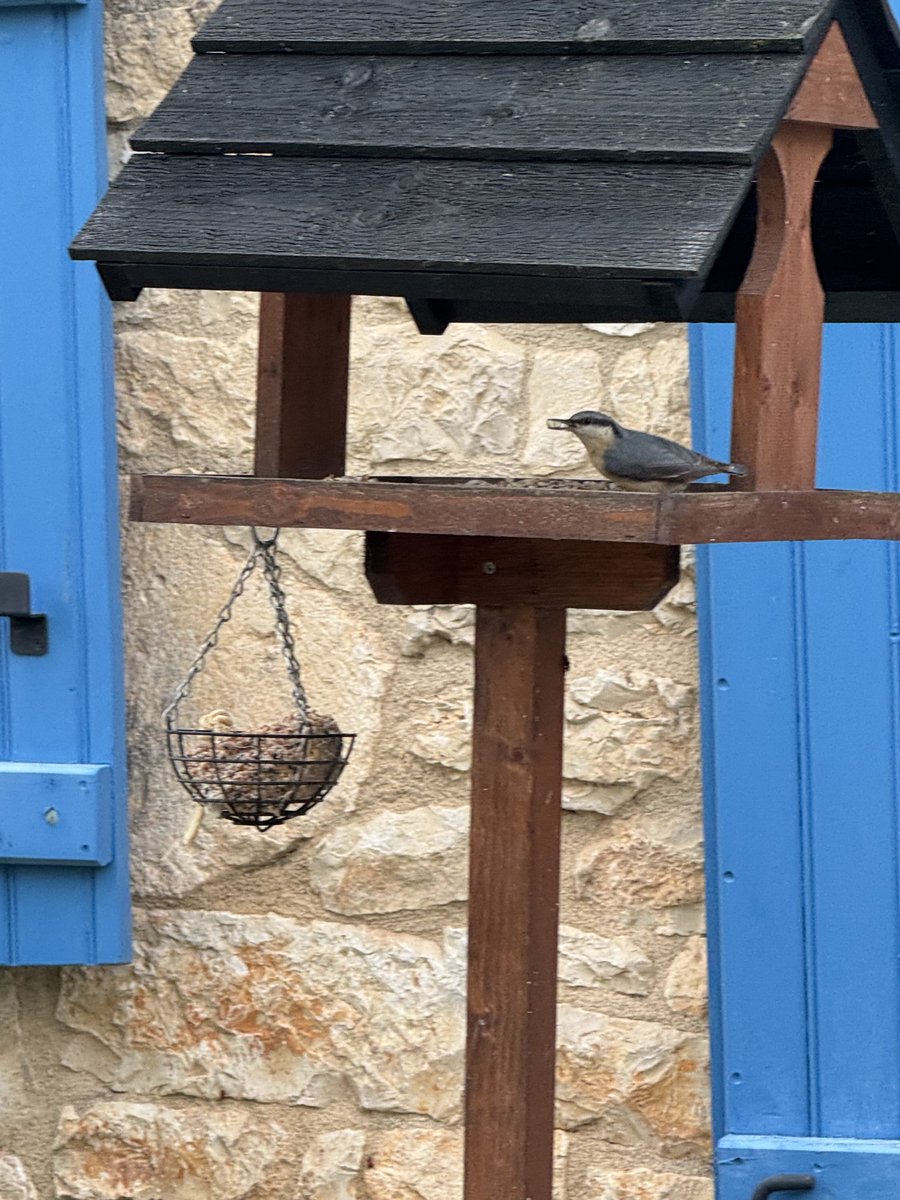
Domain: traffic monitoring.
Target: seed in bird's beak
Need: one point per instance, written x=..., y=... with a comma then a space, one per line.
x=557, y=423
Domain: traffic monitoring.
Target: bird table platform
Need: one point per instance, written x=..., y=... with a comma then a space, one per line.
x=535, y=163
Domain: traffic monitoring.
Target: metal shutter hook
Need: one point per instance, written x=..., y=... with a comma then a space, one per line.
x=784, y=1183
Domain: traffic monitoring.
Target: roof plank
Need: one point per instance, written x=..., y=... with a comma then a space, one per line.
x=504, y=26
x=556, y=219
x=715, y=107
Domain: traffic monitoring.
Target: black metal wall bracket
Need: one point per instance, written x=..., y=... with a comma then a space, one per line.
x=784, y=1183
x=27, y=630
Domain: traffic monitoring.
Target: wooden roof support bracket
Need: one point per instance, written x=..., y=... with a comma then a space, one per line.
x=780, y=307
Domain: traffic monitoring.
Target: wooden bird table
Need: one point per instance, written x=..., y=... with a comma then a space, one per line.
x=523, y=552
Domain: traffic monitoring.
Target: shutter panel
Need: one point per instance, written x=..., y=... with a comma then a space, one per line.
x=800, y=682
x=62, y=782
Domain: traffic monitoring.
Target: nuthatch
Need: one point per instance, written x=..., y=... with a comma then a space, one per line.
x=640, y=462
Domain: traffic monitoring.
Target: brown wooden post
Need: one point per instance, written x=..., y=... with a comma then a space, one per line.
x=514, y=902
x=301, y=405
x=779, y=312
x=780, y=307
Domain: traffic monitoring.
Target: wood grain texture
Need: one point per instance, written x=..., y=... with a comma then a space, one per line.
x=407, y=568
x=856, y=249
x=631, y=221
x=301, y=391
x=832, y=92
x=706, y=514
x=718, y=108
x=779, y=312
x=516, y=786
x=564, y=26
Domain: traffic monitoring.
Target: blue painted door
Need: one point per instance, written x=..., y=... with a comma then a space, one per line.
x=63, y=857
x=800, y=662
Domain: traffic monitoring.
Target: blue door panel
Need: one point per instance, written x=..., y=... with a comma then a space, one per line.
x=55, y=813
x=754, y=811
x=58, y=508
x=800, y=679
x=843, y=1169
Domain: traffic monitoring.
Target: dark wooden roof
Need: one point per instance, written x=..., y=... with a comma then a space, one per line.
x=505, y=26
x=500, y=159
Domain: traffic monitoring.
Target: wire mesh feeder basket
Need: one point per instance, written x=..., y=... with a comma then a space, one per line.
x=266, y=776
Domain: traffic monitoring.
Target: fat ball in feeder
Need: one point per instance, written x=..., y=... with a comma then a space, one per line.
x=268, y=775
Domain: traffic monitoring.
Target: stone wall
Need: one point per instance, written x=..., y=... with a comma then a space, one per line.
x=292, y=1024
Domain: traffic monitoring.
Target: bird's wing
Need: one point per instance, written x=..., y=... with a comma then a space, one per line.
x=646, y=457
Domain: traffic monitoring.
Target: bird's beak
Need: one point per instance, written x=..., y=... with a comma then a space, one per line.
x=559, y=423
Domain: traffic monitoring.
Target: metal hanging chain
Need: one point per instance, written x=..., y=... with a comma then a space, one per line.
x=278, y=600
x=263, y=550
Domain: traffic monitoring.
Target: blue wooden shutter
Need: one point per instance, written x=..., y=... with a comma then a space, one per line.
x=800, y=665
x=63, y=848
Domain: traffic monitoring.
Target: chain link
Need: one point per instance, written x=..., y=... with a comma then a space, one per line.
x=278, y=600
x=264, y=550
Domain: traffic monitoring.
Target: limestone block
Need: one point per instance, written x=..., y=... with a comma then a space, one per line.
x=264, y=1008
x=624, y=732
x=428, y=625
x=15, y=1183
x=118, y=150
x=186, y=401
x=644, y=1184
x=442, y=731
x=332, y=1166
x=331, y=557
x=622, y=331
x=370, y=311
x=394, y=861
x=426, y=1164
x=145, y=1152
x=267, y=1009
x=647, y=386
x=605, y=798
x=643, y=864
x=451, y=402
x=559, y=384
x=677, y=612
x=12, y=1052
x=611, y=691
x=588, y=960
x=228, y=318
x=147, y=48
x=639, y=1082
x=684, y=921
x=686, y=985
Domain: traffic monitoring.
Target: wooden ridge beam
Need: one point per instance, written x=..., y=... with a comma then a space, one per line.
x=707, y=514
